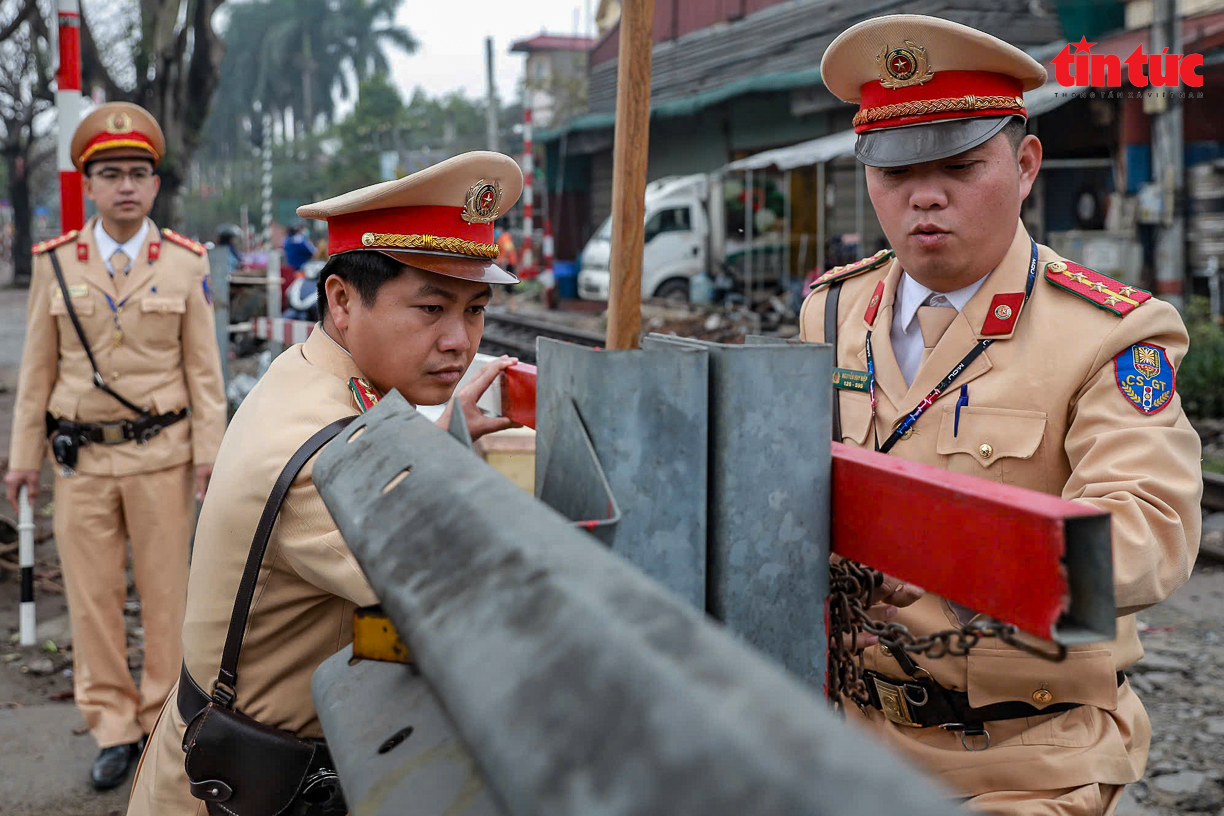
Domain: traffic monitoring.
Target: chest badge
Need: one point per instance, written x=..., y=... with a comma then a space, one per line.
x=1145, y=377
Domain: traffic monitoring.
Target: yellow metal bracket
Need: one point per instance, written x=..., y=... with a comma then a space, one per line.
x=375, y=638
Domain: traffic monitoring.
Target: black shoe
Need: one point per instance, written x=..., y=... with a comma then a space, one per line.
x=111, y=766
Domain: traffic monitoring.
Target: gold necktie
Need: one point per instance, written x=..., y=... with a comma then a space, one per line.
x=119, y=262
x=934, y=321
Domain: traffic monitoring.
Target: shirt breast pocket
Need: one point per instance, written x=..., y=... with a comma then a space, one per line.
x=161, y=317
x=1002, y=444
x=83, y=306
x=855, y=410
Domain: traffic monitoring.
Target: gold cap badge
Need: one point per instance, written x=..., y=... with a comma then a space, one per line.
x=905, y=66
x=119, y=122
x=480, y=205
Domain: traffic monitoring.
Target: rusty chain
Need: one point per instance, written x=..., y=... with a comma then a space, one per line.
x=851, y=586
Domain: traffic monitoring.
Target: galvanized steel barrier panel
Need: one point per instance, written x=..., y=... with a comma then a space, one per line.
x=647, y=416
x=767, y=568
x=579, y=685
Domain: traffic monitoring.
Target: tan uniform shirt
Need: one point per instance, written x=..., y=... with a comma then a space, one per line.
x=309, y=584
x=1046, y=400
x=167, y=358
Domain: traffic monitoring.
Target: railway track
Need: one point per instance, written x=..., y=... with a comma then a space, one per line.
x=515, y=334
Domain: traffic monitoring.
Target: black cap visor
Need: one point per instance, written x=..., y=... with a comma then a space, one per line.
x=452, y=266
x=928, y=141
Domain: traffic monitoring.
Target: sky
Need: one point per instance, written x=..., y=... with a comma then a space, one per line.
x=452, y=34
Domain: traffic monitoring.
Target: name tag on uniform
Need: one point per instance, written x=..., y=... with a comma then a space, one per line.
x=847, y=379
x=76, y=290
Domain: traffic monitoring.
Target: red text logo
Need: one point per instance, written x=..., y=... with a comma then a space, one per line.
x=1163, y=70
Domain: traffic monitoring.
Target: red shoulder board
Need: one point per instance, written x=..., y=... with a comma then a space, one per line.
x=183, y=241
x=52, y=243
x=1101, y=290
x=365, y=394
x=849, y=270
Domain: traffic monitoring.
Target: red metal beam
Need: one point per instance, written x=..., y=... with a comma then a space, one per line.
x=1023, y=557
x=996, y=548
x=518, y=394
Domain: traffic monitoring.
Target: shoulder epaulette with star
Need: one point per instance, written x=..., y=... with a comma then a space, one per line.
x=183, y=241
x=1100, y=290
x=849, y=270
x=364, y=393
x=52, y=243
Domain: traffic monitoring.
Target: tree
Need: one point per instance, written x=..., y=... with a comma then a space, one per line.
x=25, y=92
x=297, y=56
x=375, y=124
x=168, y=61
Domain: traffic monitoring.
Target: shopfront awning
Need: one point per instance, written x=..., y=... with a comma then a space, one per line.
x=816, y=151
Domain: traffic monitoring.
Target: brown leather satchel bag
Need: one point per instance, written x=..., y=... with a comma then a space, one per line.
x=237, y=765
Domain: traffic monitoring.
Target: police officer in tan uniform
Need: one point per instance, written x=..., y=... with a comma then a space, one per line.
x=970, y=347
x=402, y=299
x=129, y=465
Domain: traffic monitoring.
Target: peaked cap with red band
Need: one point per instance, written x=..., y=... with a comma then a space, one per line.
x=117, y=130
x=926, y=88
x=439, y=219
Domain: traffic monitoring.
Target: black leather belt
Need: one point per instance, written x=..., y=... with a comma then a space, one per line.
x=920, y=702
x=120, y=431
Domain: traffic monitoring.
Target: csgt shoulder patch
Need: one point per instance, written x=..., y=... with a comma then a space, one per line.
x=1145, y=377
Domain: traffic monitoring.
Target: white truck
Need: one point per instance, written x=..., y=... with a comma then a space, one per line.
x=687, y=233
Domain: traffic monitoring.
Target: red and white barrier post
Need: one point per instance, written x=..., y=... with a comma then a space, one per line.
x=546, y=275
x=528, y=171
x=68, y=106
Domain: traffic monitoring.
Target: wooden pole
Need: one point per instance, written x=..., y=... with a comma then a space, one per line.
x=629, y=154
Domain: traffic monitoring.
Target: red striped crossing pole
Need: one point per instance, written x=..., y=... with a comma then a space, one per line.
x=68, y=105
x=546, y=276
x=528, y=169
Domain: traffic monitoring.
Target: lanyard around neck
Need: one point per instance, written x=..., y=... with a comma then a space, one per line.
x=930, y=398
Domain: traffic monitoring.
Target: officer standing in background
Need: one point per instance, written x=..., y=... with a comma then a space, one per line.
x=134, y=417
x=970, y=347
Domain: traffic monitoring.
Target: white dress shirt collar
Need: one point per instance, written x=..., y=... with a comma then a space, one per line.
x=107, y=246
x=911, y=294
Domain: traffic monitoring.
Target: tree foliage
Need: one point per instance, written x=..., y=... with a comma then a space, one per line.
x=295, y=59
x=25, y=92
x=165, y=56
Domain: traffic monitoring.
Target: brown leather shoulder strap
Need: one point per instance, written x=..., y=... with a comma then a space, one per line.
x=227, y=677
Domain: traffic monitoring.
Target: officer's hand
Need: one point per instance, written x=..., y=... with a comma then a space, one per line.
x=885, y=600
x=203, y=474
x=466, y=397
x=14, y=479
x=895, y=592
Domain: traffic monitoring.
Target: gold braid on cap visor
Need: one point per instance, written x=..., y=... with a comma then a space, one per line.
x=925, y=107
x=115, y=144
x=429, y=243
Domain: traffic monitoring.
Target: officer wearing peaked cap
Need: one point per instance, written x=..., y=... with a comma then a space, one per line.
x=970, y=347
x=402, y=300
x=134, y=408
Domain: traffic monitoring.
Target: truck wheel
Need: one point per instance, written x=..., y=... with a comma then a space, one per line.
x=674, y=289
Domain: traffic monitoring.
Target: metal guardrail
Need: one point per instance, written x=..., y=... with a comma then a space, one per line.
x=577, y=684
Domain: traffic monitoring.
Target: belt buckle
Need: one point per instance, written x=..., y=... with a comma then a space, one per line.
x=112, y=433
x=893, y=704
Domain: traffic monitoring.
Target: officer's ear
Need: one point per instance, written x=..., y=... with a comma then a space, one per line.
x=340, y=294
x=1028, y=156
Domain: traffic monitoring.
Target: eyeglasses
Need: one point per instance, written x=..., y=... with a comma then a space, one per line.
x=113, y=175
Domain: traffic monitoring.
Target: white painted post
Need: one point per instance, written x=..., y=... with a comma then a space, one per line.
x=25, y=553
